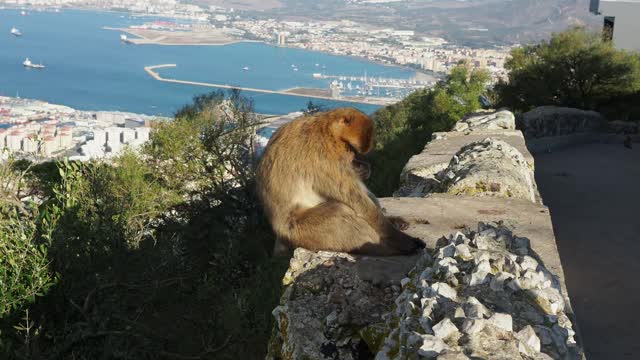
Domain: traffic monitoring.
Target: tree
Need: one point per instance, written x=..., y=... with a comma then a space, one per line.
x=575, y=68
x=403, y=129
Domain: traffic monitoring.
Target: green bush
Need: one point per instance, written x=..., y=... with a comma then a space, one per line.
x=404, y=128
x=163, y=254
x=575, y=68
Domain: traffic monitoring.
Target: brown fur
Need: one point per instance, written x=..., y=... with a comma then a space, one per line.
x=311, y=191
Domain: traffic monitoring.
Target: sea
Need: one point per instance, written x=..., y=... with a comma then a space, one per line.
x=89, y=68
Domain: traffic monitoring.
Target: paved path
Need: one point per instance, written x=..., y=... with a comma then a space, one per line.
x=593, y=193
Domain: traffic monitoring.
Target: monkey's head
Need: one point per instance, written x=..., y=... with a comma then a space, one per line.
x=352, y=127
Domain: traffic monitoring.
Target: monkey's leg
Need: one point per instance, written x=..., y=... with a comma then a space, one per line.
x=333, y=226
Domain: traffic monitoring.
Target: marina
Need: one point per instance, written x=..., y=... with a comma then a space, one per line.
x=155, y=75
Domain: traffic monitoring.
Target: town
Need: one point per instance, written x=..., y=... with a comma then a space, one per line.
x=37, y=130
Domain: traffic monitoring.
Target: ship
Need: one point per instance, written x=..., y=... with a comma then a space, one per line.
x=246, y=68
x=28, y=64
x=15, y=32
x=23, y=13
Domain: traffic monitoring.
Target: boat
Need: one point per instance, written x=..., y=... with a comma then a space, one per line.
x=23, y=13
x=15, y=32
x=246, y=68
x=125, y=39
x=28, y=64
x=295, y=69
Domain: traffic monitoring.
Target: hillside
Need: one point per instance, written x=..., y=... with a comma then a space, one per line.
x=473, y=22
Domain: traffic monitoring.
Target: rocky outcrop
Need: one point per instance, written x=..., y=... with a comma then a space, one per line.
x=482, y=156
x=334, y=304
x=488, y=168
x=483, y=294
x=623, y=127
x=495, y=291
x=547, y=121
x=487, y=120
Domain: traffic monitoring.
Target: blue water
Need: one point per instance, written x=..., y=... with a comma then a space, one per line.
x=89, y=68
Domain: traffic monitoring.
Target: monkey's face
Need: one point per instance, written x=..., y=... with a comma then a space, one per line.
x=354, y=128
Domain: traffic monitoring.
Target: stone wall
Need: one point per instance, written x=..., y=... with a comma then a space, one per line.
x=489, y=285
x=551, y=128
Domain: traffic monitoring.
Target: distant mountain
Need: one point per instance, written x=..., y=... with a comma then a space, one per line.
x=468, y=22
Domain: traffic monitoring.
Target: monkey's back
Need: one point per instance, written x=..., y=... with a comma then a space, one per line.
x=294, y=156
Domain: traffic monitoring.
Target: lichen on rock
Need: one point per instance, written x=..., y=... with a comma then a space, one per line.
x=488, y=168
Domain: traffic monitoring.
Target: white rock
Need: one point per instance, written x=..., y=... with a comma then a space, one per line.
x=478, y=278
x=448, y=266
x=550, y=300
x=428, y=304
x=459, y=313
x=431, y=346
x=473, y=309
x=502, y=321
x=483, y=266
x=473, y=326
x=529, y=341
x=444, y=329
x=528, y=263
x=444, y=290
x=423, y=284
x=530, y=279
x=463, y=251
x=484, y=242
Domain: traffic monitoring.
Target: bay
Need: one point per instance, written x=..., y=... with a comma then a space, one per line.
x=89, y=68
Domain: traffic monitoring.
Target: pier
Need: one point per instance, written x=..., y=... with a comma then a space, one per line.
x=371, y=101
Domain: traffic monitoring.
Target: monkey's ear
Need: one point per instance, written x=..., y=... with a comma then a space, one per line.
x=345, y=120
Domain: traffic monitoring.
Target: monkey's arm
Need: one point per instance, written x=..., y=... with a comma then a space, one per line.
x=345, y=187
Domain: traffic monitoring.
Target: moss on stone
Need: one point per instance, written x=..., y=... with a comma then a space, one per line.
x=374, y=336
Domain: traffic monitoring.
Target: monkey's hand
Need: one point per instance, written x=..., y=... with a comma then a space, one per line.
x=362, y=168
x=394, y=237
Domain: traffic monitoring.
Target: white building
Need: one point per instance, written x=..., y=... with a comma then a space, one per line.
x=621, y=21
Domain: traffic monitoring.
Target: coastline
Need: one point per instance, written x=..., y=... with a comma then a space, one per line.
x=148, y=41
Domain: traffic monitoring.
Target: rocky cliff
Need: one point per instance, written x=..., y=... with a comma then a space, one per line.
x=489, y=285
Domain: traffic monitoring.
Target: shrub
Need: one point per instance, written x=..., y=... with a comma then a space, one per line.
x=163, y=254
x=575, y=68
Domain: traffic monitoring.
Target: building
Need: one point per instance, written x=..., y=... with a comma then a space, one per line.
x=281, y=38
x=621, y=21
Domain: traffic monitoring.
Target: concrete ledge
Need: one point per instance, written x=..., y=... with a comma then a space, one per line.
x=440, y=215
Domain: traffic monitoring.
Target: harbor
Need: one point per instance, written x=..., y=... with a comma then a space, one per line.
x=290, y=92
